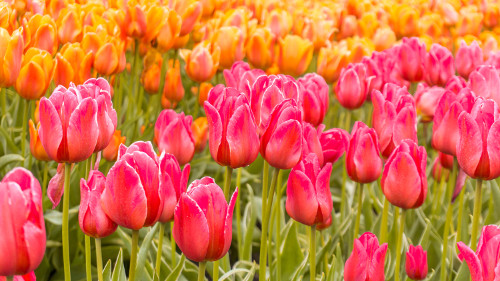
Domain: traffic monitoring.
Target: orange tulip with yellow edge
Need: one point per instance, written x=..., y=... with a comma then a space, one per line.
x=173, y=89
x=11, y=52
x=279, y=21
x=150, y=77
x=110, y=153
x=208, y=7
x=470, y=21
x=348, y=26
x=368, y=24
x=54, y=7
x=132, y=20
x=260, y=48
x=491, y=15
x=203, y=90
x=331, y=60
x=240, y=17
x=180, y=42
x=230, y=41
x=40, y=32
x=318, y=31
x=359, y=47
x=202, y=61
x=448, y=13
x=70, y=28
x=36, y=146
x=431, y=25
x=72, y=65
x=169, y=31
x=8, y=17
x=404, y=19
x=294, y=55
x=35, y=75
x=190, y=11
x=200, y=133
x=384, y=38
x=155, y=15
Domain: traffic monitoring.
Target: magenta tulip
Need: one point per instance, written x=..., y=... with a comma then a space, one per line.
x=175, y=184
x=241, y=77
x=173, y=134
x=455, y=84
x=93, y=221
x=411, y=59
x=311, y=143
x=134, y=193
x=426, y=99
x=439, y=65
x=315, y=98
x=21, y=221
x=416, y=263
x=366, y=262
x=233, y=134
x=485, y=82
x=404, y=182
x=26, y=277
x=363, y=160
x=203, y=210
x=334, y=142
x=353, y=86
x=69, y=127
x=468, y=58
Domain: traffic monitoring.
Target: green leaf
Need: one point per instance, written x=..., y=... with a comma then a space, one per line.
x=119, y=270
x=10, y=158
x=292, y=255
x=143, y=252
x=174, y=275
x=106, y=273
x=53, y=216
x=251, y=274
x=233, y=272
x=252, y=208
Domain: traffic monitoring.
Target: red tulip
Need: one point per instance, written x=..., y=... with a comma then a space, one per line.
x=426, y=99
x=334, y=142
x=404, y=182
x=233, y=134
x=203, y=210
x=455, y=84
x=135, y=191
x=315, y=93
x=416, y=263
x=309, y=200
x=439, y=170
x=23, y=228
x=173, y=134
x=439, y=65
x=69, y=127
x=468, y=58
x=412, y=59
x=93, y=221
x=26, y=277
x=478, y=146
x=363, y=160
x=483, y=263
x=353, y=85
x=485, y=82
x=311, y=143
x=366, y=262
x=175, y=184
x=281, y=141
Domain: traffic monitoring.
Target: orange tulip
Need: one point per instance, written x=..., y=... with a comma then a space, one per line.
x=11, y=52
x=260, y=48
x=331, y=60
x=200, y=133
x=8, y=17
x=169, y=31
x=469, y=21
x=294, y=55
x=317, y=30
x=69, y=26
x=384, y=38
x=348, y=26
x=166, y=103
x=173, y=89
x=431, y=25
x=201, y=62
x=41, y=33
x=35, y=75
x=359, y=48
x=111, y=151
x=491, y=15
x=208, y=7
x=132, y=20
x=203, y=91
x=180, y=42
x=72, y=65
x=368, y=24
x=230, y=41
x=150, y=77
x=190, y=11
x=36, y=146
x=240, y=17
x=404, y=19
x=279, y=21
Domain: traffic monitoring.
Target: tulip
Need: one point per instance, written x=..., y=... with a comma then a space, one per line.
x=173, y=89
x=169, y=30
x=352, y=86
x=334, y=142
x=483, y=263
x=110, y=153
x=384, y=38
x=439, y=171
x=36, y=146
x=412, y=59
x=311, y=143
x=404, y=19
x=404, y=182
x=234, y=138
x=203, y=91
x=331, y=61
x=241, y=77
x=173, y=134
x=309, y=200
x=383, y=68
x=10, y=56
x=279, y=21
x=315, y=93
x=22, y=224
x=427, y=99
x=35, y=75
x=468, y=58
x=348, y=26
x=200, y=133
x=41, y=34
x=151, y=72
x=191, y=12
x=485, y=82
x=230, y=40
x=416, y=263
x=366, y=261
x=69, y=25
x=294, y=55
x=455, y=84
x=203, y=210
x=69, y=127
x=202, y=62
x=260, y=48
x=72, y=65
x=281, y=141
x=363, y=160
x=132, y=20
x=175, y=182
x=93, y=221
x=27, y=277
x=439, y=65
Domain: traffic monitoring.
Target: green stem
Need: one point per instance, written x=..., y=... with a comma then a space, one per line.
x=399, y=244
x=88, y=258
x=438, y=202
x=358, y=214
x=3, y=99
x=449, y=217
x=45, y=179
x=10, y=278
x=133, y=255
x=265, y=225
x=98, y=254
x=201, y=271
x=461, y=198
x=238, y=217
x=216, y=270
x=24, y=127
x=325, y=257
x=65, y=236
x=383, y=223
x=278, y=228
x=476, y=217
x=263, y=235
x=343, y=198
x=312, y=253
x=173, y=246
x=160, y=248
x=227, y=182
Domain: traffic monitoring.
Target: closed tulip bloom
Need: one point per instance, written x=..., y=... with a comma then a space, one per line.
x=363, y=160
x=334, y=142
x=331, y=60
x=230, y=40
x=439, y=170
x=294, y=55
x=35, y=74
x=468, y=58
x=151, y=71
x=173, y=134
x=427, y=99
x=200, y=133
x=315, y=93
x=241, y=77
x=169, y=30
x=404, y=182
x=23, y=228
x=132, y=20
x=26, y=277
x=478, y=146
x=352, y=86
x=41, y=33
x=455, y=84
x=135, y=191
x=69, y=26
x=202, y=61
x=175, y=182
x=485, y=82
x=203, y=210
x=234, y=138
x=72, y=65
x=110, y=153
x=416, y=263
x=173, y=88
x=411, y=59
x=36, y=146
x=69, y=127
x=10, y=56
x=483, y=264
x=439, y=65
x=366, y=262
x=190, y=12
x=260, y=48
x=279, y=21
x=309, y=200
x=91, y=217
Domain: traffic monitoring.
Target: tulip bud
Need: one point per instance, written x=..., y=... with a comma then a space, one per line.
x=173, y=134
x=69, y=26
x=439, y=65
x=23, y=228
x=191, y=14
x=294, y=55
x=404, y=182
x=230, y=40
x=416, y=263
x=352, y=86
x=260, y=48
x=203, y=210
x=110, y=153
x=36, y=146
x=10, y=56
x=150, y=76
x=455, y=84
x=173, y=88
x=439, y=171
x=279, y=21
x=241, y=77
x=334, y=142
x=369, y=253
x=202, y=62
x=315, y=93
x=331, y=61
x=311, y=143
x=427, y=99
x=203, y=91
x=72, y=65
x=169, y=30
x=41, y=30
x=411, y=59
x=35, y=74
x=200, y=133
x=132, y=20
x=175, y=182
x=468, y=58
x=363, y=160
x=485, y=82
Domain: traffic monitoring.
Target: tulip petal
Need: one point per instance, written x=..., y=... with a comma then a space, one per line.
x=323, y=193
x=50, y=121
x=301, y=202
x=470, y=144
x=476, y=271
x=493, y=149
x=285, y=143
x=376, y=267
x=356, y=266
x=55, y=188
x=215, y=124
x=82, y=131
x=228, y=224
x=402, y=184
x=242, y=138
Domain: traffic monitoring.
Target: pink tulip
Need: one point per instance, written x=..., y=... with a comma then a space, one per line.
x=416, y=263
x=394, y=117
x=426, y=99
x=468, y=58
x=93, y=221
x=23, y=229
x=363, y=160
x=483, y=263
x=445, y=129
x=485, y=82
x=455, y=84
x=384, y=68
x=404, y=182
x=282, y=140
x=233, y=134
x=438, y=170
x=411, y=59
x=315, y=98
x=366, y=262
x=135, y=191
x=309, y=200
x=334, y=142
x=311, y=143
x=478, y=146
x=175, y=182
x=203, y=210
x=69, y=127
x=353, y=86
x=26, y=277
x=439, y=65
x=100, y=90
x=173, y=134
x=240, y=76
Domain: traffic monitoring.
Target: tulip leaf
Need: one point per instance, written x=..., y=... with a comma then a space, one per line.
x=174, y=275
x=251, y=274
x=298, y=273
x=9, y=141
x=10, y=158
x=119, y=270
x=234, y=272
x=53, y=216
x=106, y=273
x=250, y=227
x=142, y=255
x=292, y=255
